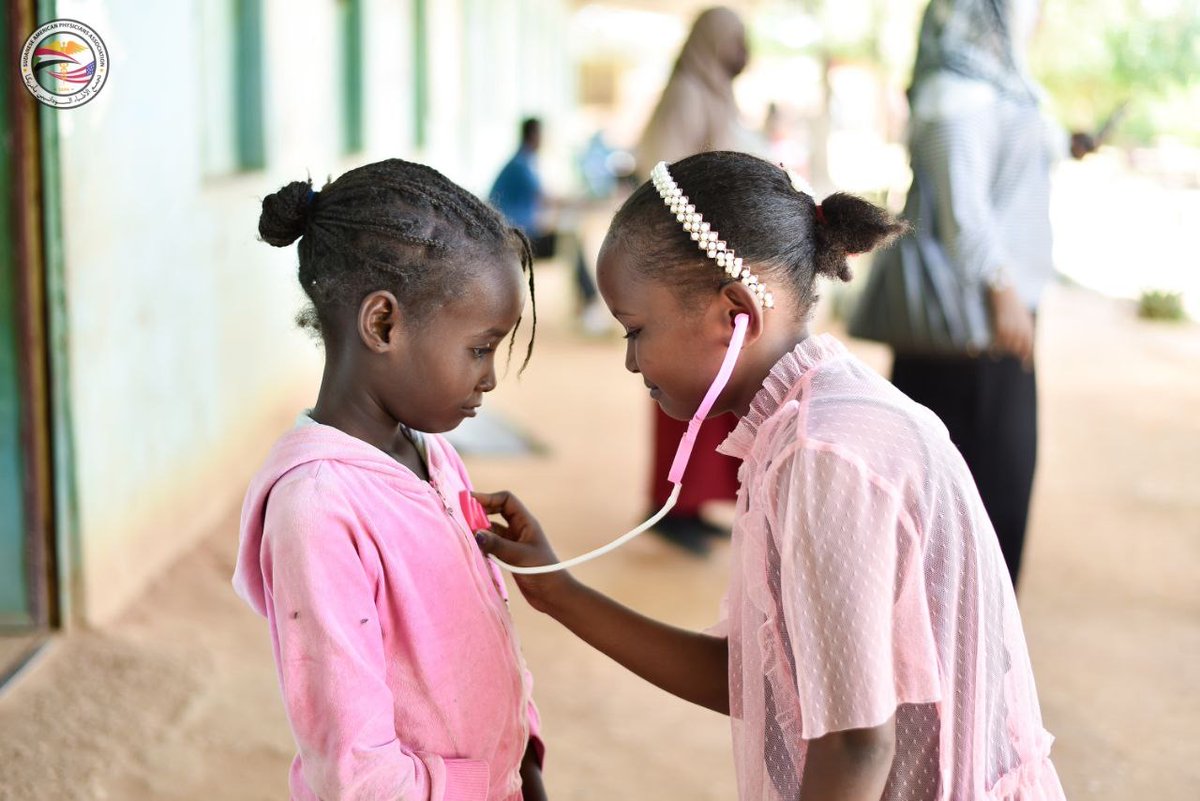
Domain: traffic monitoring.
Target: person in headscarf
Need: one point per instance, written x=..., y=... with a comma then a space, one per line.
x=697, y=112
x=981, y=151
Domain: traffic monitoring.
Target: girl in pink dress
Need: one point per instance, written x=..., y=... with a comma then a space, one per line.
x=399, y=667
x=869, y=644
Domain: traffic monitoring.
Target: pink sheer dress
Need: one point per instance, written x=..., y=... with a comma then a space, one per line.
x=867, y=583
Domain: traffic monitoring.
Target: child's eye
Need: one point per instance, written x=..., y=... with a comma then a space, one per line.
x=481, y=353
x=632, y=333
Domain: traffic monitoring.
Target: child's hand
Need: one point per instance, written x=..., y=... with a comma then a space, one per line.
x=520, y=541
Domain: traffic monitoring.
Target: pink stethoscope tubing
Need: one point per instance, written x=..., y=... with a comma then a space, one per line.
x=682, y=455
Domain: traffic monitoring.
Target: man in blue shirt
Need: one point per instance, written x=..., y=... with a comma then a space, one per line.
x=517, y=193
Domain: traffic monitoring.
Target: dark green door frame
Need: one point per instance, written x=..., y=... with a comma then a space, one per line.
x=16, y=603
x=64, y=532
x=34, y=598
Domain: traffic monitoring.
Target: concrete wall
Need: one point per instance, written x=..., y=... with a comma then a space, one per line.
x=184, y=359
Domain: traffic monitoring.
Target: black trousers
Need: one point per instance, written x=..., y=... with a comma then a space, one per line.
x=989, y=406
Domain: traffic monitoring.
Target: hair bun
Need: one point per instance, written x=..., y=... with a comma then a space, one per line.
x=285, y=214
x=851, y=225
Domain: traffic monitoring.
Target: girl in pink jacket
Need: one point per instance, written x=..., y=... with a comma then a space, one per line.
x=396, y=655
x=869, y=645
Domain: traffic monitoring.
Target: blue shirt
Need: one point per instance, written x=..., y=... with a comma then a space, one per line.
x=517, y=192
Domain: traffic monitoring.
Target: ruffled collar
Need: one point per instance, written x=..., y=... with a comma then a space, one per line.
x=780, y=386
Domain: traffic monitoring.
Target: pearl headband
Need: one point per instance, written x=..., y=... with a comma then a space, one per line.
x=702, y=234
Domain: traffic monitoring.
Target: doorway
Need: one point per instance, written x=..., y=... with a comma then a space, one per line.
x=29, y=607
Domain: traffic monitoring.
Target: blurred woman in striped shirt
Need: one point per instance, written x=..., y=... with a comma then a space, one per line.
x=981, y=151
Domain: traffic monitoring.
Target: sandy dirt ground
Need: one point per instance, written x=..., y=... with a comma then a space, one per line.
x=177, y=701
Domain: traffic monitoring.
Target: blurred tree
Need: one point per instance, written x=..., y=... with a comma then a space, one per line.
x=1094, y=55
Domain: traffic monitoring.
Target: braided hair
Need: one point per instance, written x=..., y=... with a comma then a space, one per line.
x=752, y=202
x=393, y=224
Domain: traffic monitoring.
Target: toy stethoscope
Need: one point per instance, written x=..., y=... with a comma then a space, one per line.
x=477, y=516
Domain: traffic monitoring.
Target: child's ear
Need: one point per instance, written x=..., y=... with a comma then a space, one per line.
x=379, y=321
x=736, y=299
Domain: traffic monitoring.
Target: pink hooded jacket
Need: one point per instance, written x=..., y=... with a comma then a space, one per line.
x=396, y=655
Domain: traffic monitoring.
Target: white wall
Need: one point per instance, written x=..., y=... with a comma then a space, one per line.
x=184, y=359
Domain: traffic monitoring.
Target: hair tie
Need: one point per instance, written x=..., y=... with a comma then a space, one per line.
x=311, y=197
x=820, y=213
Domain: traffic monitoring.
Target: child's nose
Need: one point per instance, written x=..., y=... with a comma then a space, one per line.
x=488, y=382
x=631, y=357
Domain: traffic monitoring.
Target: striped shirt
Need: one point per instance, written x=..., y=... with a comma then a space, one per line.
x=984, y=174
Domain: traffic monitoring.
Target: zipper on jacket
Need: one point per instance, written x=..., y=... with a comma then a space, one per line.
x=499, y=610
